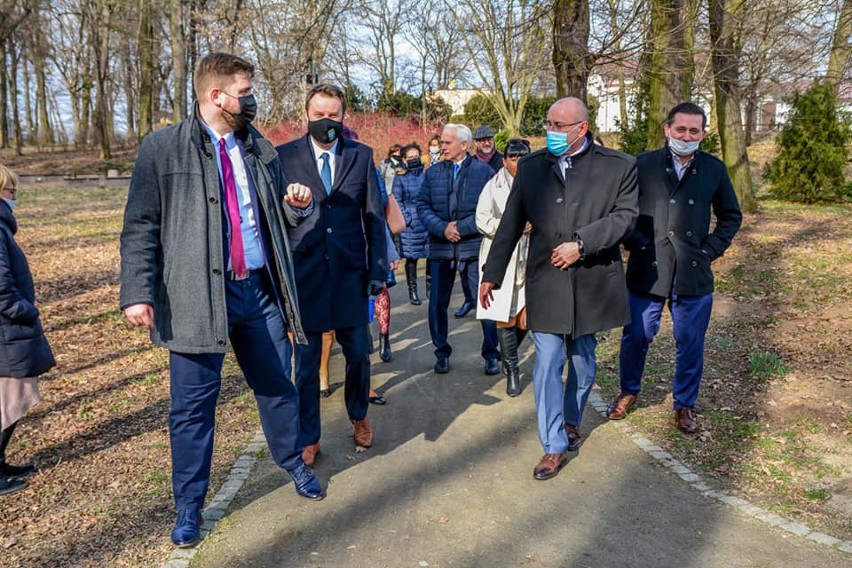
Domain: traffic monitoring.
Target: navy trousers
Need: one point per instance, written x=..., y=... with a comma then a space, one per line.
x=443, y=277
x=257, y=332
x=690, y=319
x=355, y=342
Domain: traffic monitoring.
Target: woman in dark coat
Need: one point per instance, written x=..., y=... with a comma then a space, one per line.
x=24, y=352
x=414, y=239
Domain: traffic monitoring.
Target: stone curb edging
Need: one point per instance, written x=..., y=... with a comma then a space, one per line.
x=679, y=469
x=215, y=509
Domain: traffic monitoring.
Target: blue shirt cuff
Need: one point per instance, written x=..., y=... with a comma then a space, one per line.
x=306, y=212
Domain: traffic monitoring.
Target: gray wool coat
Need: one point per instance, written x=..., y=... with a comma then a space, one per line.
x=597, y=202
x=172, y=244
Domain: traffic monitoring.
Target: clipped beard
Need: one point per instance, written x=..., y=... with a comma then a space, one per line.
x=230, y=120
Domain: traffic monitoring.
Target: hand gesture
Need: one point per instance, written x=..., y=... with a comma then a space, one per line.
x=451, y=233
x=298, y=196
x=486, y=296
x=140, y=314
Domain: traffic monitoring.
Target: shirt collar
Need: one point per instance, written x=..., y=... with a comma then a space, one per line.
x=215, y=136
x=318, y=151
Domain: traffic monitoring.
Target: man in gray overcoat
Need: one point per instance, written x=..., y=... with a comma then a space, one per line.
x=581, y=200
x=205, y=261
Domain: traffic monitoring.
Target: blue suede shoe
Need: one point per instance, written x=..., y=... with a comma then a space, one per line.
x=306, y=484
x=187, y=531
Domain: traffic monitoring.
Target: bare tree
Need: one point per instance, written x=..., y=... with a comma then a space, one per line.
x=840, y=46
x=506, y=42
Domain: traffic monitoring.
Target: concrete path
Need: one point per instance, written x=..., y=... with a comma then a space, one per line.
x=449, y=483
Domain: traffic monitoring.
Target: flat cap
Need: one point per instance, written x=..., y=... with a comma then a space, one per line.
x=483, y=131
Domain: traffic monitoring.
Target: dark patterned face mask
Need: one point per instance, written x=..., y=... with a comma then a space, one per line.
x=326, y=130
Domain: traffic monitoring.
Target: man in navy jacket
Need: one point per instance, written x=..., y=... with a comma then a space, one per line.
x=671, y=250
x=447, y=208
x=340, y=258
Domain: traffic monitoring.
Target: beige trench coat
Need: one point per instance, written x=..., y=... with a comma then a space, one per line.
x=489, y=210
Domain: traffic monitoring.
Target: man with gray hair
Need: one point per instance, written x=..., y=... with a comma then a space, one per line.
x=447, y=208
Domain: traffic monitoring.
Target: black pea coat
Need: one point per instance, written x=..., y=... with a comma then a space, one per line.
x=340, y=247
x=673, y=234
x=24, y=351
x=597, y=202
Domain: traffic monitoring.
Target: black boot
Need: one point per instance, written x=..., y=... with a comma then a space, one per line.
x=411, y=278
x=509, y=353
x=10, y=485
x=385, y=348
x=7, y=470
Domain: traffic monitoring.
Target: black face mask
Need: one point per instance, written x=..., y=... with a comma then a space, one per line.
x=248, y=110
x=326, y=130
x=413, y=163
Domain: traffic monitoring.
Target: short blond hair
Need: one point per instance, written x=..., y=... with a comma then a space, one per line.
x=7, y=174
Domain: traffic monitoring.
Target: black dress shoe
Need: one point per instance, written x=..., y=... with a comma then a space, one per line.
x=17, y=471
x=492, y=366
x=187, y=529
x=380, y=400
x=10, y=485
x=325, y=393
x=442, y=365
x=465, y=309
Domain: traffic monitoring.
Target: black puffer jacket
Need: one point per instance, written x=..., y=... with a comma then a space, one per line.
x=24, y=351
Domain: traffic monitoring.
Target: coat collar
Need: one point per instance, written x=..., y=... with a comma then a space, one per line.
x=343, y=159
x=667, y=163
x=7, y=217
x=250, y=137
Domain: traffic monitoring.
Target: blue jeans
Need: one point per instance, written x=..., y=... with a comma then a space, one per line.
x=690, y=320
x=257, y=332
x=556, y=407
x=443, y=277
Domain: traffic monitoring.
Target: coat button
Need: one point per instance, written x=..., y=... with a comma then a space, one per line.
x=216, y=272
x=328, y=230
x=671, y=234
x=214, y=201
x=689, y=233
x=654, y=263
x=672, y=201
x=692, y=202
x=694, y=263
x=221, y=342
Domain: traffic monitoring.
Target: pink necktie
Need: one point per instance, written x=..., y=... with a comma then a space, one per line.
x=238, y=255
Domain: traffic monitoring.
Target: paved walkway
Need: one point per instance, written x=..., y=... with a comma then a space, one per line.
x=449, y=483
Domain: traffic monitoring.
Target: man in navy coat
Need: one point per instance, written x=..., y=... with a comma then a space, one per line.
x=340, y=258
x=447, y=208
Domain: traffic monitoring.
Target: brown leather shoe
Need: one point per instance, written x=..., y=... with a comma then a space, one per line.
x=549, y=466
x=575, y=437
x=310, y=453
x=363, y=433
x=685, y=421
x=618, y=408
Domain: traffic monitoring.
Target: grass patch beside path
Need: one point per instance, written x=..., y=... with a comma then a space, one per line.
x=103, y=493
x=775, y=408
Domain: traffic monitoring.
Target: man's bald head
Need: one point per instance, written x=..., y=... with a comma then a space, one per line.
x=569, y=117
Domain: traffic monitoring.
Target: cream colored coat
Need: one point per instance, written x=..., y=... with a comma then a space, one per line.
x=489, y=210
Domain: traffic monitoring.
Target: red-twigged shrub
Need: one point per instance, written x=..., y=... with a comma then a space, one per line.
x=377, y=130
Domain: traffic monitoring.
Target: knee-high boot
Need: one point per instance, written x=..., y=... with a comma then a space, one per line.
x=411, y=279
x=509, y=352
x=7, y=470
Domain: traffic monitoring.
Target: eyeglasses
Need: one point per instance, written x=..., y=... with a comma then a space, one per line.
x=557, y=126
x=11, y=190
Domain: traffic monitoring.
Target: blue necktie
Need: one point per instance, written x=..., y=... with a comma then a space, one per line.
x=325, y=173
x=456, y=168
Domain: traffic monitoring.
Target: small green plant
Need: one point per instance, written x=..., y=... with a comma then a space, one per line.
x=765, y=365
x=818, y=494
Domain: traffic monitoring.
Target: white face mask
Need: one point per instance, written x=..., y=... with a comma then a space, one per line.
x=10, y=203
x=682, y=148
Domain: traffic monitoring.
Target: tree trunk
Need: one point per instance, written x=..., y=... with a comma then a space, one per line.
x=4, y=98
x=129, y=94
x=725, y=62
x=178, y=39
x=13, y=95
x=100, y=43
x=45, y=132
x=571, y=58
x=145, y=41
x=840, y=47
x=690, y=17
x=666, y=66
x=32, y=122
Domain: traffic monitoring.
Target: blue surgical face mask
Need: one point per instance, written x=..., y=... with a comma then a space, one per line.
x=10, y=203
x=557, y=142
x=683, y=148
